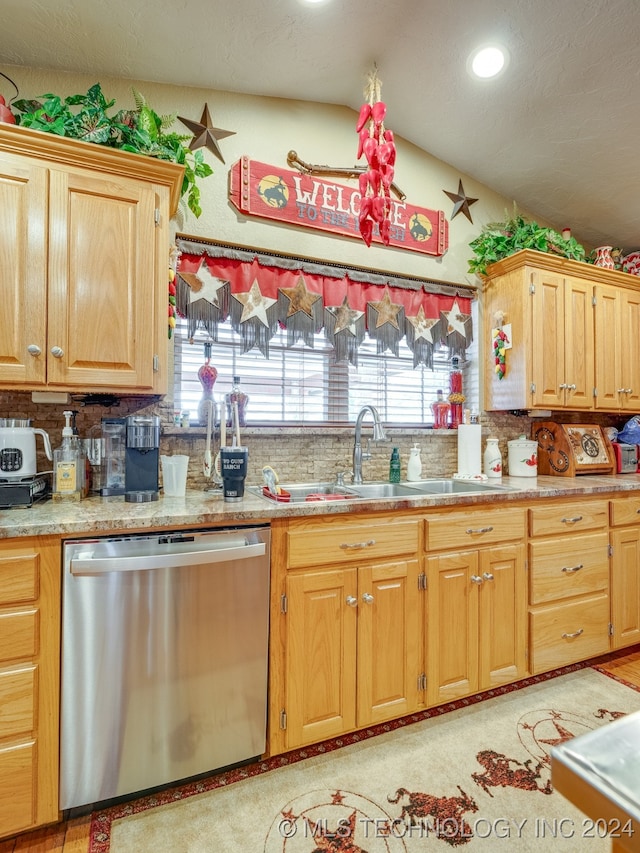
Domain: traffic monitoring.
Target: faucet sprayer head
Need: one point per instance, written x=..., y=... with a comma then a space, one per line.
x=378, y=432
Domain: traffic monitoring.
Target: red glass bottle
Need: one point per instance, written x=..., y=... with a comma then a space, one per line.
x=456, y=397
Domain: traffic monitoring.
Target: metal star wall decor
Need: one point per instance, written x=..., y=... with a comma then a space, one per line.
x=462, y=202
x=205, y=134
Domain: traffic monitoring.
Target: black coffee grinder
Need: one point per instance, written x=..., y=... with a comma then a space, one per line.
x=142, y=457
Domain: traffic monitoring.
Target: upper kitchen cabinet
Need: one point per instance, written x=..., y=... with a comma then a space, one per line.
x=575, y=335
x=84, y=242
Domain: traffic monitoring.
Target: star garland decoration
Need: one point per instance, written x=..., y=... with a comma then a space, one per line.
x=255, y=318
x=203, y=299
x=385, y=323
x=422, y=334
x=457, y=329
x=344, y=328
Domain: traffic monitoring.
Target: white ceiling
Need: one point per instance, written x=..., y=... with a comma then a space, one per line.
x=559, y=132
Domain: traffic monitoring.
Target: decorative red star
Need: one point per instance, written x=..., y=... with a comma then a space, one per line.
x=461, y=202
x=206, y=134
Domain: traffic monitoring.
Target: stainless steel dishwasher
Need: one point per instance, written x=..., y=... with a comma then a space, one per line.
x=164, y=659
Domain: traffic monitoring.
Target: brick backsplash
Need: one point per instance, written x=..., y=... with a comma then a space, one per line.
x=301, y=454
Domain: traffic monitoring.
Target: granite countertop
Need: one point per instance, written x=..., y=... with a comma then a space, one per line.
x=97, y=515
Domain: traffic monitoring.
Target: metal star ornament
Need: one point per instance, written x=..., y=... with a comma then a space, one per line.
x=462, y=202
x=205, y=134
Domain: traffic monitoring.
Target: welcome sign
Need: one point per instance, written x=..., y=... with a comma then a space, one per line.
x=259, y=189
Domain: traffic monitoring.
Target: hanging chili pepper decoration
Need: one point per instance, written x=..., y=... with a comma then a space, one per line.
x=377, y=145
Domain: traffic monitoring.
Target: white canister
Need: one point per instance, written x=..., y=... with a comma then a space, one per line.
x=492, y=461
x=523, y=457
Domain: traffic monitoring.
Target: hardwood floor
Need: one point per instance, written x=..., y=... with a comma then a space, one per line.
x=73, y=835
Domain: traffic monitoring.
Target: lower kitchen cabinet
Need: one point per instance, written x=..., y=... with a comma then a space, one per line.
x=347, y=642
x=569, y=604
x=476, y=623
x=625, y=571
x=29, y=682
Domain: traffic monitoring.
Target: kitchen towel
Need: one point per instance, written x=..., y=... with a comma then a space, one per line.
x=469, y=451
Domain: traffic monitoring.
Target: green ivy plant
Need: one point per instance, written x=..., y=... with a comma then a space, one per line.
x=139, y=130
x=498, y=240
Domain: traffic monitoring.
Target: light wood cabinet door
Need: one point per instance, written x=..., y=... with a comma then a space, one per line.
x=617, y=348
x=562, y=315
x=388, y=641
x=320, y=672
x=102, y=299
x=452, y=626
x=29, y=682
x=548, y=321
x=625, y=586
x=23, y=282
x=502, y=622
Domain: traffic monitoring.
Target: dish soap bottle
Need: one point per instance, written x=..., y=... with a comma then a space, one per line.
x=67, y=465
x=394, y=466
x=414, y=465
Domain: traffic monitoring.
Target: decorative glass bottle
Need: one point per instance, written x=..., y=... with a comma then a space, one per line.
x=239, y=398
x=440, y=411
x=456, y=397
x=207, y=376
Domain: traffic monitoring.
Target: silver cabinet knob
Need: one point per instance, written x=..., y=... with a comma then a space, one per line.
x=476, y=579
x=367, y=597
x=351, y=600
x=57, y=352
x=34, y=349
x=487, y=576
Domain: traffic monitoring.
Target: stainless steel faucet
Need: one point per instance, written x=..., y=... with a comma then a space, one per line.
x=378, y=435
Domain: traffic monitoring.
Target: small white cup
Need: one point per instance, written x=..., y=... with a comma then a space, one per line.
x=174, y=475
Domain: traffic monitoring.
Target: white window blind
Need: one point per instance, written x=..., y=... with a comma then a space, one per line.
x=300, y=385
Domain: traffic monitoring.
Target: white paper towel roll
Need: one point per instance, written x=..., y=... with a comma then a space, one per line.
x=469, y=449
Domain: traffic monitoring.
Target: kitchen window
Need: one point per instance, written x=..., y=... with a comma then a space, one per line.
x=300, y=385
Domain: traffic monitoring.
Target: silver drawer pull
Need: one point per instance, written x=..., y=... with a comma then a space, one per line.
x=573, y=568
x=572, y=520
x=577, y=633
x=347, y=545
x=351, y=600
x=472, y=530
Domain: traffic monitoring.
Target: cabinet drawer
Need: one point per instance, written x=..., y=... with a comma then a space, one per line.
x=345, y=543
x=569, y=632
x=568, y=517
x=18, y=635
x=18, y=579
x=458, y=530
x=625, y=511
x=17, y=774
x=565, y=567
x=17, y=697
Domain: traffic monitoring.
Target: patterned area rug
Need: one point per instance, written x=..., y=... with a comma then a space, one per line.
x=473, y=775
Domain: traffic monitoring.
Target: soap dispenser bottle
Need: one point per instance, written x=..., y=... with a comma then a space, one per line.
x=394, y=466
x=414, y=465
x=67, y=470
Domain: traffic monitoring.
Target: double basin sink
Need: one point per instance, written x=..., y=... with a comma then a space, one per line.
x=299, y=492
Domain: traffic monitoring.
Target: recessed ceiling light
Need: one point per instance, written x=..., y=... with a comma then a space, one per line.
x=488, y=61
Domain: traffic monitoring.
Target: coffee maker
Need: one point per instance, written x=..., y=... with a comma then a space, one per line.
x=131, y=457
x=142, y=457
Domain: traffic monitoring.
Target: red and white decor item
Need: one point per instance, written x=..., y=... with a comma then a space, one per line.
x=263, y=293
x=377, y=145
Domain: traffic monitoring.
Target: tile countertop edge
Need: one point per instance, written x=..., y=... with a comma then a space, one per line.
x=200, y=509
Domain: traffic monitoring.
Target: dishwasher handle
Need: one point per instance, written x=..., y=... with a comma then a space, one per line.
x=99, y=565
